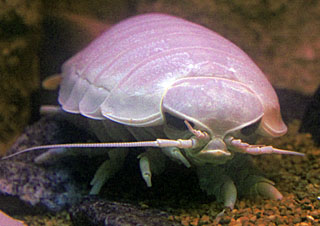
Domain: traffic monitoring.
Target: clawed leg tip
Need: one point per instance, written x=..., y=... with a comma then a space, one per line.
x=268, y=191
x=229, y=205
x=219, y=216
x=147, y=179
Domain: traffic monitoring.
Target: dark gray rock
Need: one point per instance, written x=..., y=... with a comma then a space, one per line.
x=52, y=187
x=93, y=211
x=38, y=187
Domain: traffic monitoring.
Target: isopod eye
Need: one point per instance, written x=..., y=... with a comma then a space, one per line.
x=249, y=130
x=176, y=123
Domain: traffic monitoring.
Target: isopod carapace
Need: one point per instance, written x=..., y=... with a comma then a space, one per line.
x=138, y=59
x=163, y=78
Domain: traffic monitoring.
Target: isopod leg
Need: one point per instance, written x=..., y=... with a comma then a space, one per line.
x=175, y=154
x=52, y=155
x=268, y=191
x=228, y=193
x=145, y=169
x=151, y=161
x=258, y=185
x=215, y=182
x=107, y=169
x=249, y=180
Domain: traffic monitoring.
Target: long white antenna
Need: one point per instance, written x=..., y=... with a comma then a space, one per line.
x=157, y=143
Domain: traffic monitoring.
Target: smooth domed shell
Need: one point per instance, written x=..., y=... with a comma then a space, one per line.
x=217, y=113
x=123, y=74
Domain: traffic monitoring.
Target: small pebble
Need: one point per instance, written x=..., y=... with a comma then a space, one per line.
x=185, y=221
x=296, y=219
x=302, y=224
x=310, y=218
x=205, y=219
x=315, y=213
x=305, y=201
x=194, y=221
x=253, y=218
x=243, y=219
x=272, y=217
x=235, y=224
